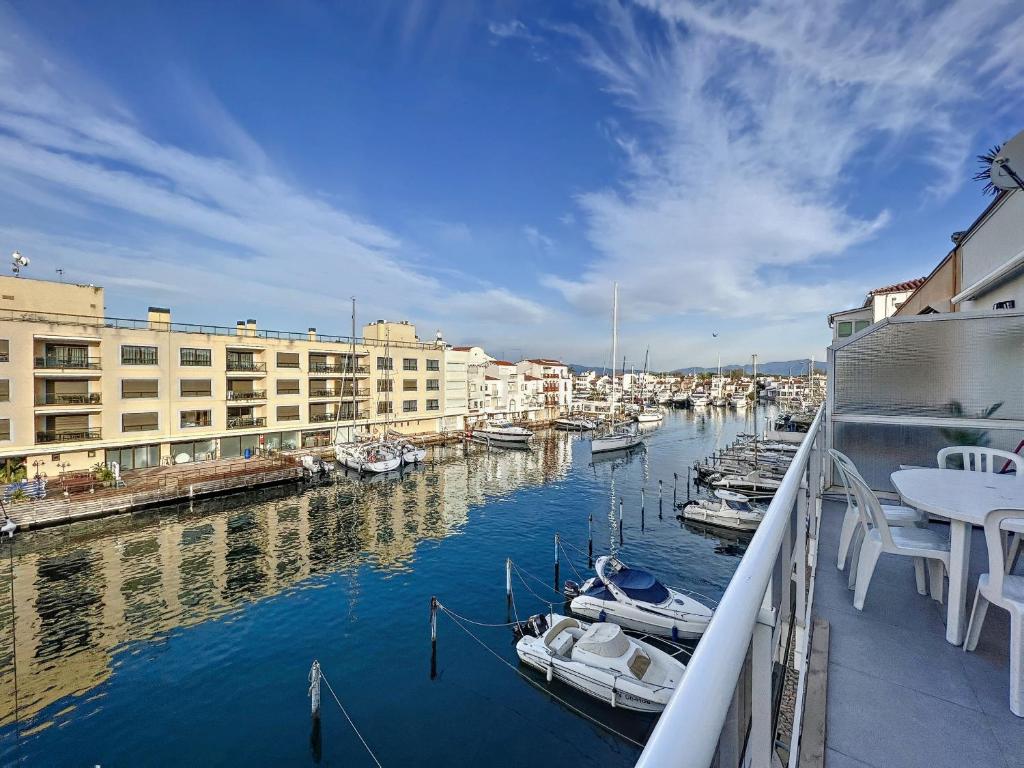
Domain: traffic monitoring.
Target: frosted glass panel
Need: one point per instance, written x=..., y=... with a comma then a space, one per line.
x=879, y=449
x=918, y=368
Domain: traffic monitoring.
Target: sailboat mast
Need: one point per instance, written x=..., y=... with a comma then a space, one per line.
x=615, y=340
x=352, y=372
x=754, y=371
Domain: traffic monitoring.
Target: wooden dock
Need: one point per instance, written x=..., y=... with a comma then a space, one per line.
x=154, y=487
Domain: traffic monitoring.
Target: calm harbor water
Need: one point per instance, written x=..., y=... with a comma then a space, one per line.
x=185, y=635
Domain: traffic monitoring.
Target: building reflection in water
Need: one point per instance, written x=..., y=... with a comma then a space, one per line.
x=83, y=590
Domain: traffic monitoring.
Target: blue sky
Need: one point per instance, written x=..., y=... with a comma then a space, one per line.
x=489, y=169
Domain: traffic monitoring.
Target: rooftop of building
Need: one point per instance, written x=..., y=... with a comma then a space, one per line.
x=906, y=285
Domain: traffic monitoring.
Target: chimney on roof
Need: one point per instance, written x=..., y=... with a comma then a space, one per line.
x=312, y=334
x=250, y=327
x=159, y=319
x=240, y=328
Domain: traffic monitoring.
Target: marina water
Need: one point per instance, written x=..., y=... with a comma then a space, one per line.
x=185, y=635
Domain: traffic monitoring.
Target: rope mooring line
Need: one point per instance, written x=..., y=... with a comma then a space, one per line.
x=537, y=685
x=345, y=713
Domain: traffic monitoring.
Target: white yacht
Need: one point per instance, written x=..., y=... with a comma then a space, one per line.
x=575, y=424
x=699, y=398
x=600, y=660
x=374, y=456
x=752, y=482
x=650, y=416
x=502, y=431
x=727, y=510
x=617, y=437
x=738, y=400
x=636, y=600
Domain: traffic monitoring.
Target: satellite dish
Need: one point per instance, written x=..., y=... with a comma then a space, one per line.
x=18, y=262
x=1007, y=170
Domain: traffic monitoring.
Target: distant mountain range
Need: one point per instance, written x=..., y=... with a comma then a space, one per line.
x=777, y=368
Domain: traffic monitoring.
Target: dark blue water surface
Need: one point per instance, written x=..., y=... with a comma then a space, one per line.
x=184, y=636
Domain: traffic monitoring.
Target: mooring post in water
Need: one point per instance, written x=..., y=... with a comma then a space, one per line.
x=508, y=580
x=590, y=541
x=433, y=638
x=314, y=692
x=642, y=502
x=675, y=483
x=556, y=563
x=688, y=483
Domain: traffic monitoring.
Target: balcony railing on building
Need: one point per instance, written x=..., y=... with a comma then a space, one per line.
x=346, y=393
x=68, y=436
x=246, y=422
x=73, y=398
x=62, y=363
x=252, y=394
x=319, y=417
x=247, y=366
x=335, y=368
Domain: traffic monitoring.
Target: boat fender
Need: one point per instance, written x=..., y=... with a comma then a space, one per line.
x=602, y=616
x=550, y=674
x=614, y=681
x=675, y=633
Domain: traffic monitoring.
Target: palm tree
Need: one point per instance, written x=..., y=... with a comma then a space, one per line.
x=985, y=162
x=12, y=470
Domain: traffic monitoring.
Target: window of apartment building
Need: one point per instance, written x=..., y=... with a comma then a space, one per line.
x=384, y=407
x=287, y=359
x=409, y=385
x=287, y=413
x=5, y=390
x=385, y=385
x=385, y=363
x=196, y=388
x=191, y=419
x=433, y=385
x=193, y=356
x=139, y=422
x=848, y=328
x=138, y=389
x=5, y=350
x=132, y=354
x=5, y=429
x=410, y=364
x=409, y=406
x=433, y=405
x=433, y=365
x=288, y=387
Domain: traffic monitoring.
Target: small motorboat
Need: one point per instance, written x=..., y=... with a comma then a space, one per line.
x=575, y=424
x=650, y=416
x=634, y=599
x=502, y=431
x=316, y=466
x=681, y=399
x=699, y=399
x=411, y=454
x=738, y=400
x=754, y=481
x=600, y=660
x=719, y=402
x=620, y=438
x=727, y=510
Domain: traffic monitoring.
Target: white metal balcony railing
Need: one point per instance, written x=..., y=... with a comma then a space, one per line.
x=725, y=706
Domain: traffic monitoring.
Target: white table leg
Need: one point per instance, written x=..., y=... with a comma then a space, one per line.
x=959, y=570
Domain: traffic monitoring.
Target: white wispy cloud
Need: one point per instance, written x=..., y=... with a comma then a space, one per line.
x=512, y=29
x=215, y=232
x=753, y=115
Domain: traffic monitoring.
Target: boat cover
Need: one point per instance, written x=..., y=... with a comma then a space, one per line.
x=606, y=640
x=638, y=585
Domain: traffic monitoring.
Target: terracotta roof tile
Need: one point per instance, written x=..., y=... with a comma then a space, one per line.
x=908, y=285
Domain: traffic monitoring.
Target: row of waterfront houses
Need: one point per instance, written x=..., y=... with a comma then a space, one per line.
x=78, y=388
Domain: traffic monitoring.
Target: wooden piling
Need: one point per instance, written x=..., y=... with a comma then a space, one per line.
x=590, y=541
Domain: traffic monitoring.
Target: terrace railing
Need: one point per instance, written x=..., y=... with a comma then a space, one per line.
x=246, y=422
x=246, y=366
x=72, y=398
x=252, y=394
x=724, y=712
x=66, y=363
x=68, y=436
x=92, y=321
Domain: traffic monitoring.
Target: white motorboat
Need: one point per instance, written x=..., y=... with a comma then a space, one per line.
x=575, y=424
x=502, y=431
x=375, y=456
x=738, y=400
x=699, y=399
x=650, y=416
x=634, y=599
x=719, y=402
x=411, y=454
x=600, y=660
x=754, y=482
x=728, y=510
x=314, y=465
x=681, y=398
x=621, y=438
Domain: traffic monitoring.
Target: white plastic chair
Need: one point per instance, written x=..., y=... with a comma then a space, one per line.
x=897, y=516
x=1006, y=591
x=907, y=542
x=974, y=458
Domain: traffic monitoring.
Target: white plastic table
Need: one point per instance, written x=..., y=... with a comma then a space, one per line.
x=964, y=498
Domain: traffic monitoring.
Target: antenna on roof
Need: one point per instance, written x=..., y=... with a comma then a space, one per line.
x=1007, y=171
x=18, y=263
